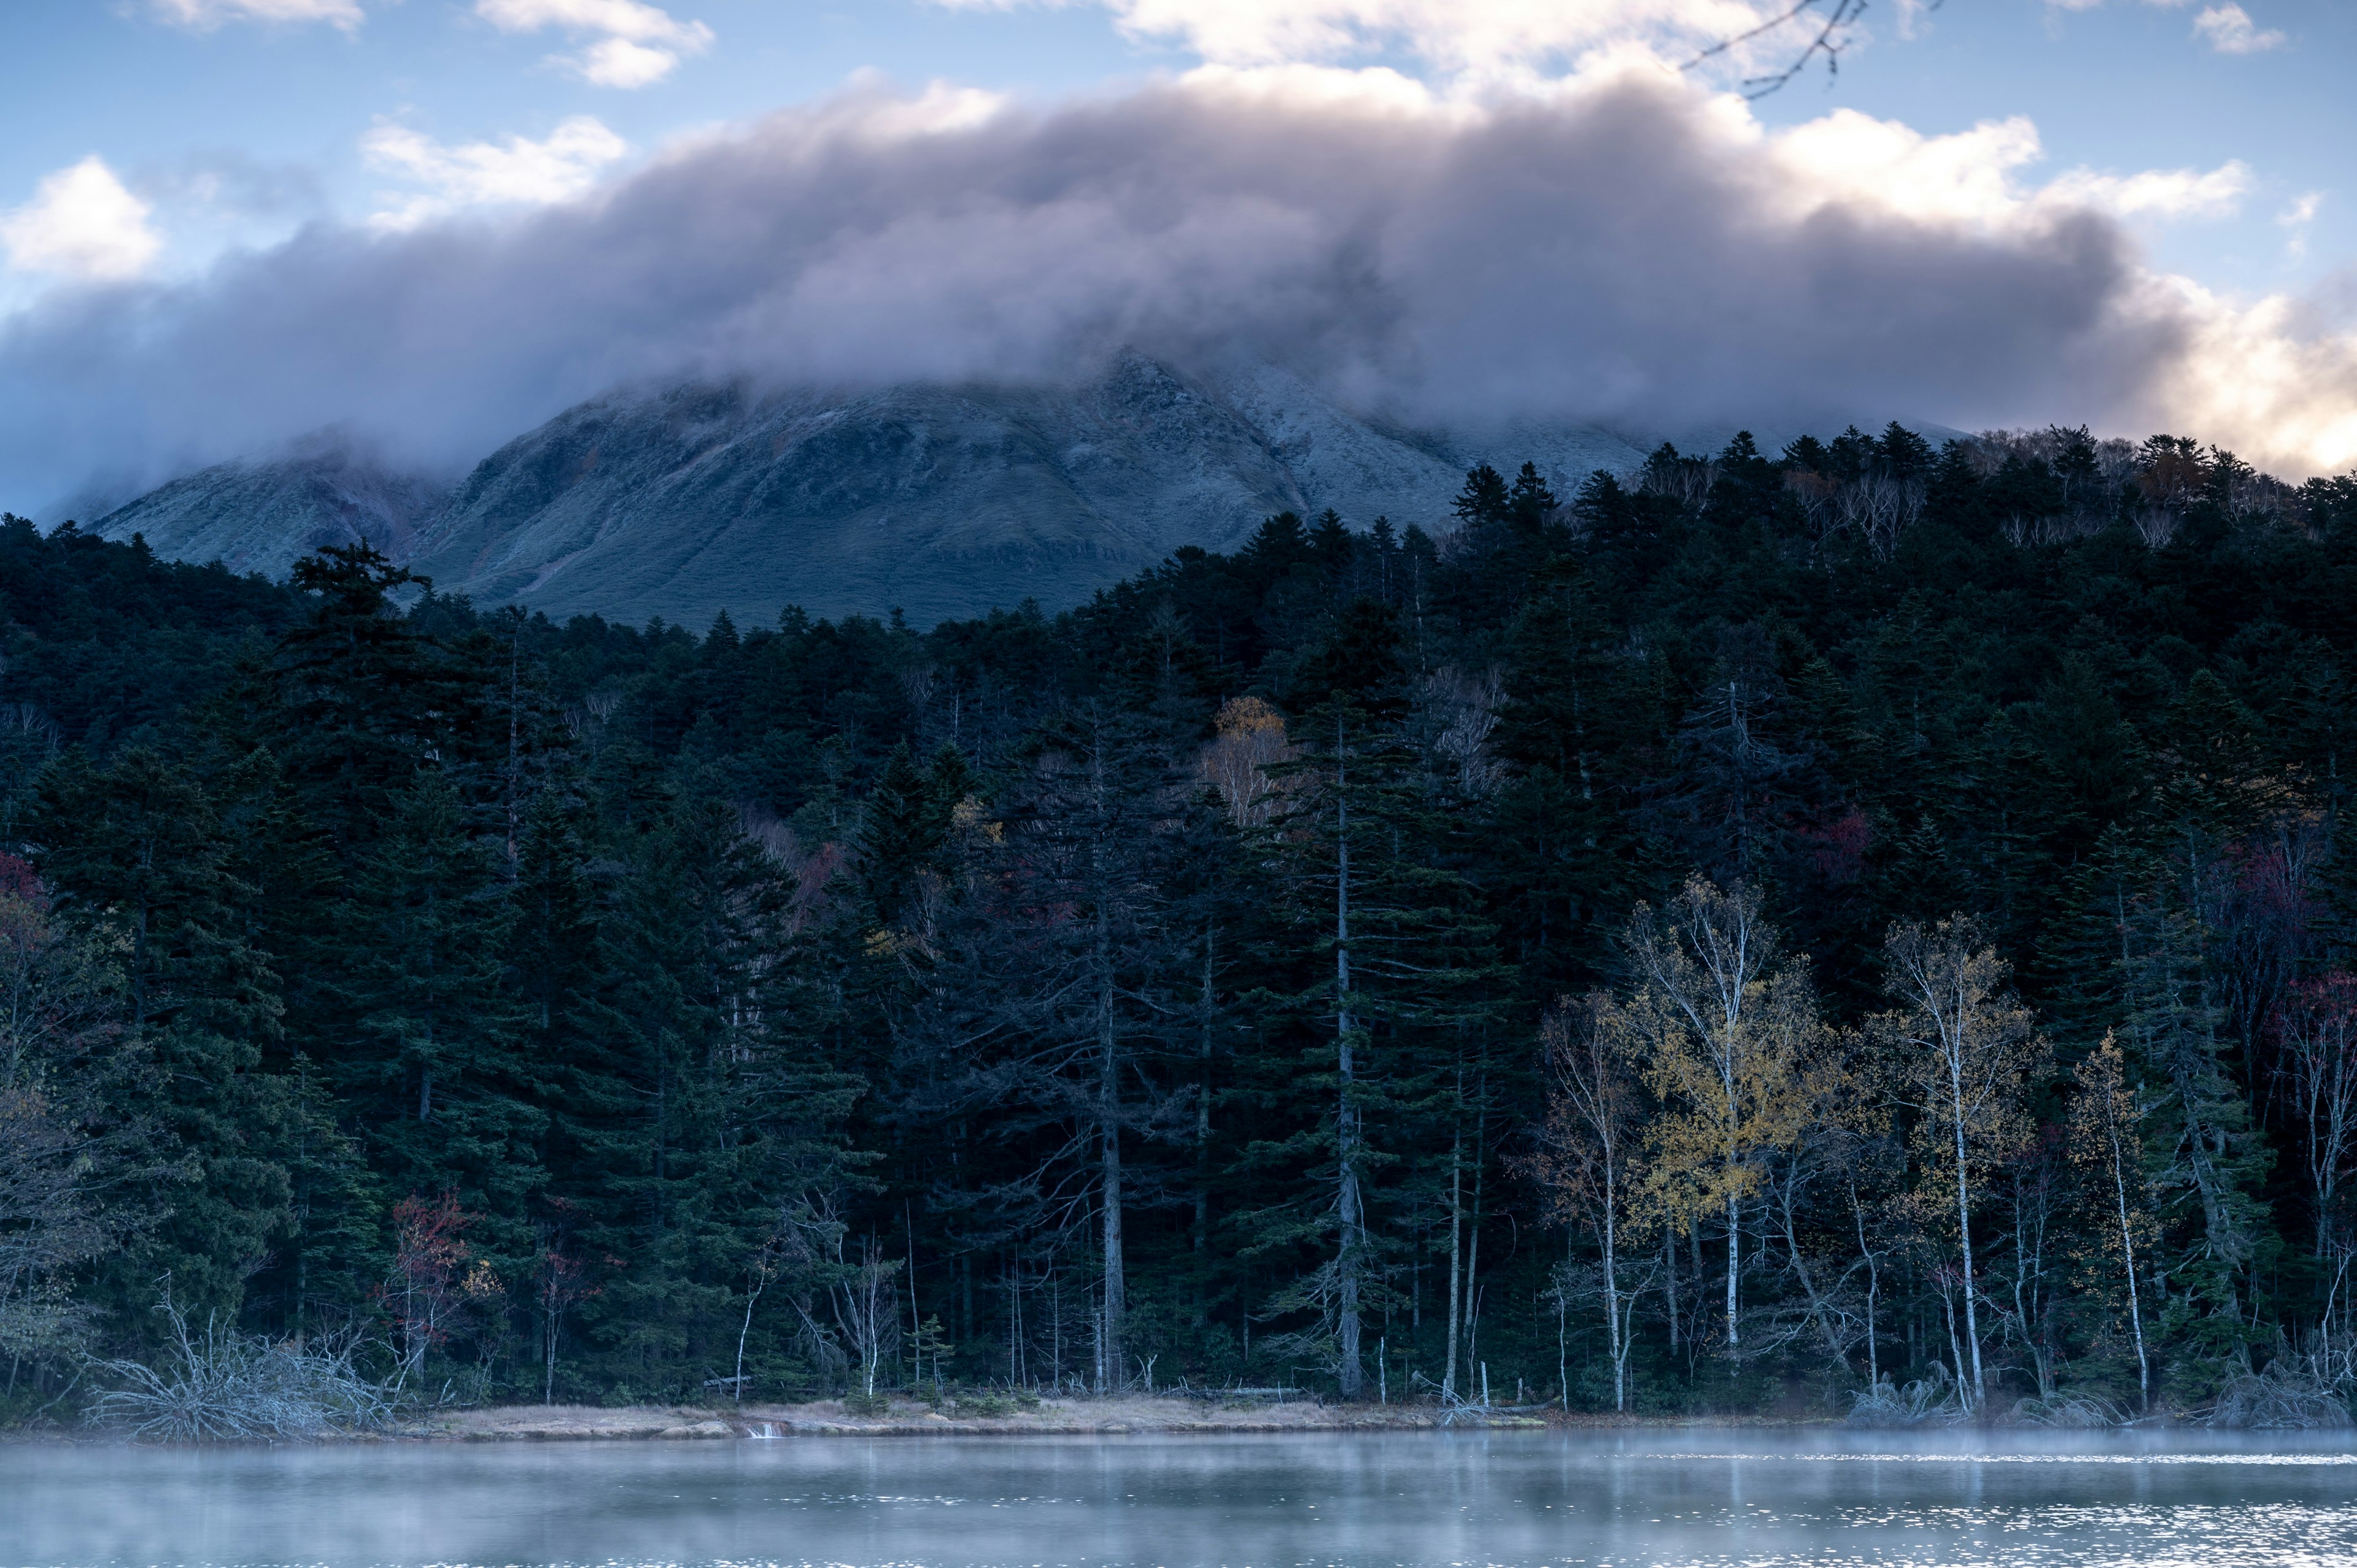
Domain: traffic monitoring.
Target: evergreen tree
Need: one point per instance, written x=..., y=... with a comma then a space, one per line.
x=432, y=1066
x=356, y=704
x=1383, y=964
x=134, y=856
x=1155, y=982
x=900, y=828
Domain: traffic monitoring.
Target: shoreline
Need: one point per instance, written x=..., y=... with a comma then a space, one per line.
x=828, y=1418
x=1052, y=1417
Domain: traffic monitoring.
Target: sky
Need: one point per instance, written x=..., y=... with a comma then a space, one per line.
x=227, y=223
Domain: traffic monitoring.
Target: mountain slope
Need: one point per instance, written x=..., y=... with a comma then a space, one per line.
x=941, y=501
x=265, y=516
x=1366, y=468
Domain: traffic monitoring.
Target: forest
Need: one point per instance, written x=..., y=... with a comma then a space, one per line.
x=1864, y=931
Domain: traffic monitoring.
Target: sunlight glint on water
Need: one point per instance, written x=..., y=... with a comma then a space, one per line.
x=1401, y=1500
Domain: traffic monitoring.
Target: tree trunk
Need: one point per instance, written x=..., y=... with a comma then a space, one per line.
x=1201, y=1233
x=1611, y=1305
x=1350, y=1202
x=1965, y=1232
x=1113, y=1363
x=1734, y=1255
x=1117, y=1304
x=1473, y=1243
x=1670, y=1281
x=1873, y=1288
x=1786, y=1201
x=1456, y=1261
x=2127, y=1257
x=1733, y=1206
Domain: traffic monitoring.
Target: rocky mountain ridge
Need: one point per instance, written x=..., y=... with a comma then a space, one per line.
x=938, y=501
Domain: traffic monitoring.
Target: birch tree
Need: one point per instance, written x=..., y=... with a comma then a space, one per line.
x=1248, y=740
x=2107, y=1142
x=1727, y=1037
x=1586, y=1162
x=1959, y=1049
x=1834, y=1127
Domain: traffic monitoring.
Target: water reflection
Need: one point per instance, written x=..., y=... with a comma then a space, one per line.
x=1403, y=1500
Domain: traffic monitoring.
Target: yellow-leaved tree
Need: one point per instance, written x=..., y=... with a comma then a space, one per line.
x=1728, y=1035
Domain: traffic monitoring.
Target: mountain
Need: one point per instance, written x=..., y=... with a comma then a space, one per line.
x=941, y=501
x=257, y=516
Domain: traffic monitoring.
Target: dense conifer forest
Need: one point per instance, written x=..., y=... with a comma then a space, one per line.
x=1871, y=928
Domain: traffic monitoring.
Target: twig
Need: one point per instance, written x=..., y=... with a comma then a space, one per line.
x=1827, y=42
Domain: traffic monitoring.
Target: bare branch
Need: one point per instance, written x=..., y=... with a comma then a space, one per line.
x=1827, y=43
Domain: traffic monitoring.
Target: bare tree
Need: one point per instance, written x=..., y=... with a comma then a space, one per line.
x=1054, y=986
x=1587, y=1157
x=1959, y=1049
x=2318, y=1063
x=2038, y=1190
x=2107, y=1139
x=858, y=1293
x=29, y=738
x=559, y=1286
x=1461, y=710
x=1878, y=507
x=1835, y=1132
x=868, y=1310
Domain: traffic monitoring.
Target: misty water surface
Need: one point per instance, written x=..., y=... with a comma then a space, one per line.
x=1406, y=1499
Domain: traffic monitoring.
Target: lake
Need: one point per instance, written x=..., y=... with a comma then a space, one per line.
x=1388, y=1500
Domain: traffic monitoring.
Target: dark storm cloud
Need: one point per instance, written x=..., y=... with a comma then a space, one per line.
x=1616, y=255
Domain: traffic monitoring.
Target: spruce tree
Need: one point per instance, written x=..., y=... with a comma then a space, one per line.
x=1380, y=964
x=136, y=860
x=432, y=1065
x=355, y=704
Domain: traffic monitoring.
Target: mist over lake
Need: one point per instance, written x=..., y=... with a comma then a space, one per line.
x=1691, y=1496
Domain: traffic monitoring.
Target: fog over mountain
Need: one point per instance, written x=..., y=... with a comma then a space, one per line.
x=1622, y=248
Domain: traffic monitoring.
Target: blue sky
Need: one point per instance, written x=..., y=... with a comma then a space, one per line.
x=149, y=140
x=280, y=108
x=2129, y=87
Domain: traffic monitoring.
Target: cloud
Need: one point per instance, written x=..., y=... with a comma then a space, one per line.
x=1973, y=176
x=2156, y=193
x=1469, y=37
x=2229, y=30
x=205, y=15
x=518, y=172
x=1964, y=179
x=1624, y=248
x=82, y=224
x=628, y=44
x=2294, y=219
